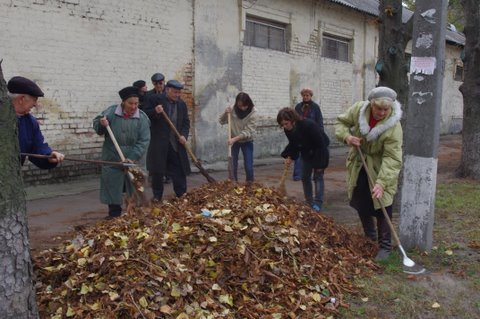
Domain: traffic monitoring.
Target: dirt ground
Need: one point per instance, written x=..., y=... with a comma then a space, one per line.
x=54, y=219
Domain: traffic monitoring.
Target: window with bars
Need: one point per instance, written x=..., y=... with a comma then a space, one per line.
x=458, y=74
x=265, y=34
x=336, y=48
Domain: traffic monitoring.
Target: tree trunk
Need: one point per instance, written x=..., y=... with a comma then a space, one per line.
x=17, y=294
x=393, y=38
x=470, y=160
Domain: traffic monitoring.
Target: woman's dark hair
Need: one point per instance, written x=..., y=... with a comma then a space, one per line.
x=245, y=99
x=287, y=114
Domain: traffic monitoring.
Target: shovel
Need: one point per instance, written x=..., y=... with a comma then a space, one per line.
x=407, y=262
x=138, y=188
x=281, y=187
x=195, y=161
x=230, y=160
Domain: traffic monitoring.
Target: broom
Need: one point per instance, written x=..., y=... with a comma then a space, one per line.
x=281, y=187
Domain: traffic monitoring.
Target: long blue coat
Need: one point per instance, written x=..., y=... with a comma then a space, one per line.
x=133, y=137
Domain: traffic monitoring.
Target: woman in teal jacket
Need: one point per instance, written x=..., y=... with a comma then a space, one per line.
x=131, y=128
x=374, y=125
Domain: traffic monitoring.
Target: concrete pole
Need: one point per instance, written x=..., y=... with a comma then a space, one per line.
x=423, y=124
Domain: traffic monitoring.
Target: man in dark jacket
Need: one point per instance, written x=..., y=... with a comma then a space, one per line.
x=24, y=94
x=307, y=139
x=158, y=82
x=166, y=153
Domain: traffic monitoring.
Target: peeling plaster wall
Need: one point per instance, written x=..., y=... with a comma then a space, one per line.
x=81, y=53
x=218, y=72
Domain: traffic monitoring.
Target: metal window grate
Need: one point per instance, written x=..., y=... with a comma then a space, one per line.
x=265, y=35
x=336, y=48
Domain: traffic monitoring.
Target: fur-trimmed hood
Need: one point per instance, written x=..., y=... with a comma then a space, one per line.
x=373, y=134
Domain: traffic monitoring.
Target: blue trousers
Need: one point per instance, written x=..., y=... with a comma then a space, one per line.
x=307, y=171
x=247, y=151
x=297, y=169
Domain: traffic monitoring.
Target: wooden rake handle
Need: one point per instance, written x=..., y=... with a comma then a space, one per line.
x=229, y=120
x=174, y=129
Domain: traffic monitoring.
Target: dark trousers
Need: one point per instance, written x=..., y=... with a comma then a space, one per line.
x=175, y=172
x=362, y=201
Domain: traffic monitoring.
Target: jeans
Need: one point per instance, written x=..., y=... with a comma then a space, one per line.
x=247, y=151
x=297, y=169
x=307, y=170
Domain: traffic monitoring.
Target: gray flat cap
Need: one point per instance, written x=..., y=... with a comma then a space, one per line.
x=382, y=92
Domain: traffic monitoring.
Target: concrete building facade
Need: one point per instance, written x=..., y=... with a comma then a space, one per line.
x=81, y=52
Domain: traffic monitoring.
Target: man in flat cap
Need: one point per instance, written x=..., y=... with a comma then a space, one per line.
x=24, y=94
x=166, y=153
x=158, y=81
x=142, y=90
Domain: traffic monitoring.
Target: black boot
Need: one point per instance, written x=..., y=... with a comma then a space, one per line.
x=384, y=239
x=114, y=211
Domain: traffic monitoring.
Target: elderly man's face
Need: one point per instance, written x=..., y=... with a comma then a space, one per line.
x=173, y=94
x=159, y=85
x=24, y=103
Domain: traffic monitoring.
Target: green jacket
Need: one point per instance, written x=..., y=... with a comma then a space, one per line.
x=382, y=147
x=133, y=136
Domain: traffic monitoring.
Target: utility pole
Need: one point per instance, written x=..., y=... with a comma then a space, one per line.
x=422, y=130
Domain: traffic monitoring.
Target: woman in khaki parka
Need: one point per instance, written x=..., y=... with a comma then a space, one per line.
x=374, y=125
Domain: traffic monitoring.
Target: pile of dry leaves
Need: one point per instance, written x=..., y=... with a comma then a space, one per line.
x=223, y=251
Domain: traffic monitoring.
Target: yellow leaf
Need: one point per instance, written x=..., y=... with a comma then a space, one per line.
x=436, y=305
x=175, y=292
x=216, y=287
x=183, y=315
x=212, y=239
x=70, y=312
x=228, y=299
x=85, y=289
x=143, y=301
x=126, y=254
x=95, y=306
x=166, y=309
x=176, y=227
x=108, y=242
x=113, y=295
x=316, y=297
x=49, y=268
x=448, y=252
x=228, y=229
x=81, y=262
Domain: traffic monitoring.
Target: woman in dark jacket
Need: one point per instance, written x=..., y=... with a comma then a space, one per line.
x=305, y=137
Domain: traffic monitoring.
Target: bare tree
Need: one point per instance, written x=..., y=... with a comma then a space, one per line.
x=17, y=294
x=394, y=35
x=470, y=160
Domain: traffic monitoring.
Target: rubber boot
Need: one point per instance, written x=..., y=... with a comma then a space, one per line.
x=384, y=239
x=114, y=211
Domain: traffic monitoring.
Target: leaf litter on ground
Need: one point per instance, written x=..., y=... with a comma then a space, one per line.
x=224, y=250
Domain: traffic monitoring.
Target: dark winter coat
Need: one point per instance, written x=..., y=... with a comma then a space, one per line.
x=160, y=134
x=309, y=140
x=31, y=140
x=312, y=112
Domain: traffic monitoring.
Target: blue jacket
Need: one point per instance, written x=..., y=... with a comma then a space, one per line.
x=31, y=140
x=312, y=111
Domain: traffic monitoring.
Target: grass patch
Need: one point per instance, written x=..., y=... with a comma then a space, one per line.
x=453, y=281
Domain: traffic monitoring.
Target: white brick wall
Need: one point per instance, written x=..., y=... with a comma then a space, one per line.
x=82, y=52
